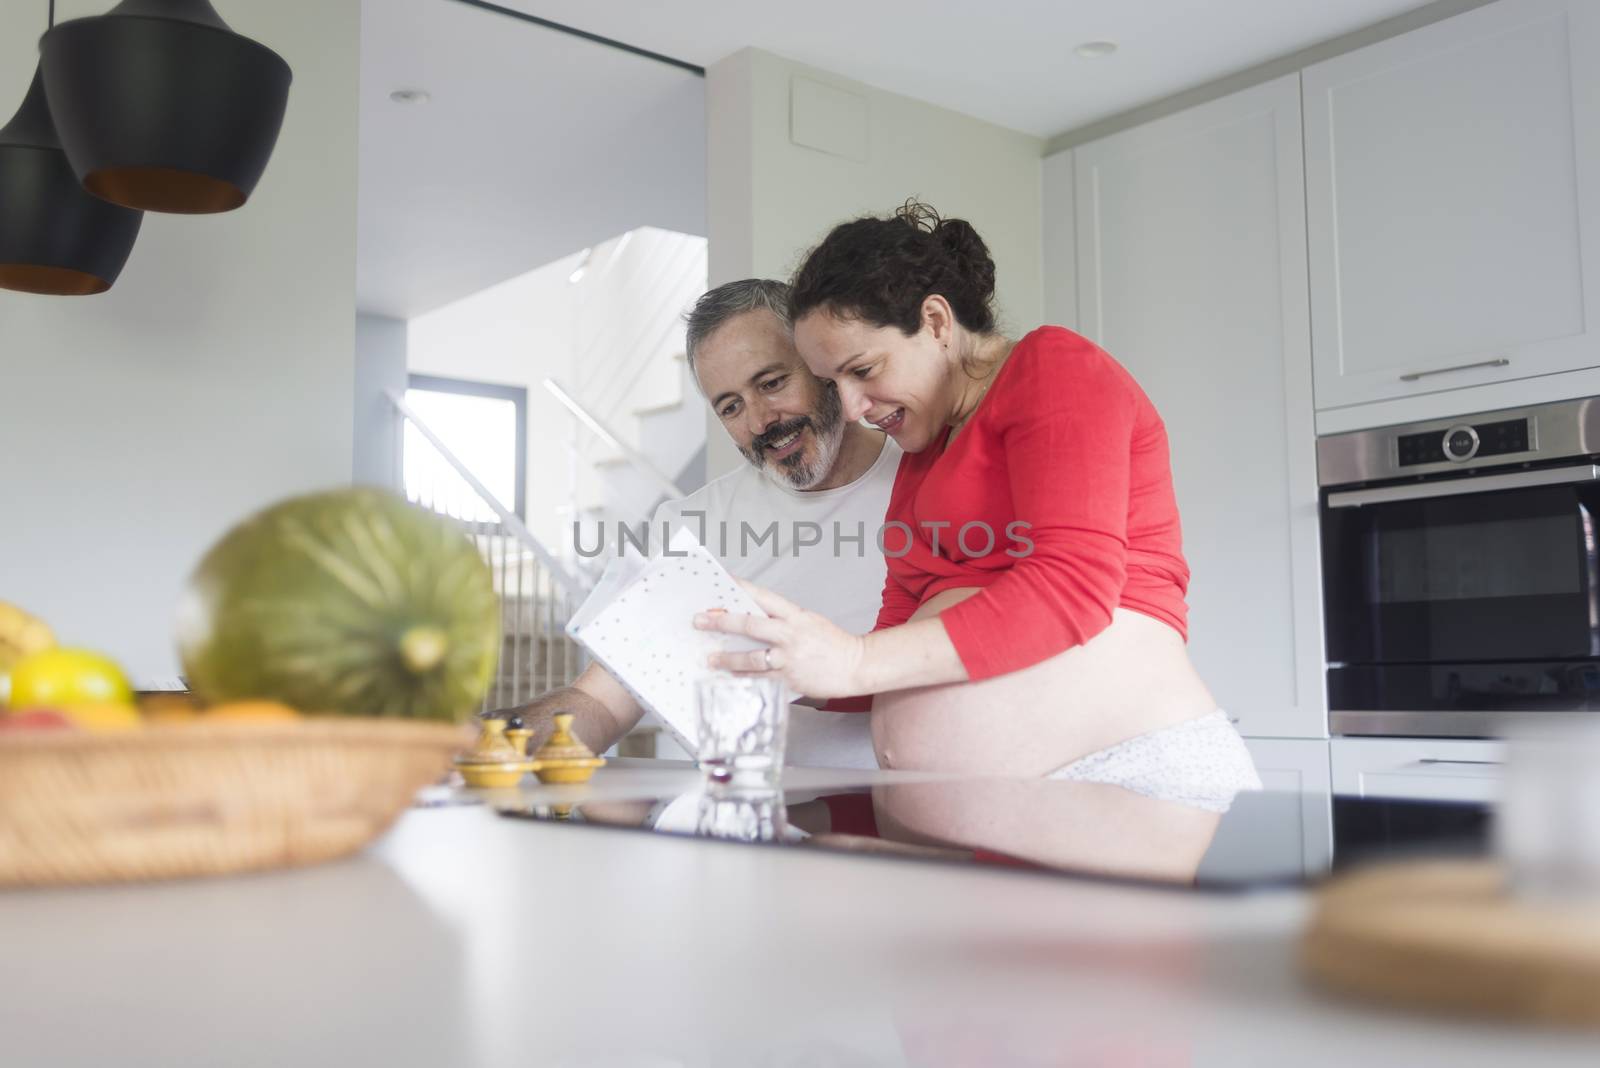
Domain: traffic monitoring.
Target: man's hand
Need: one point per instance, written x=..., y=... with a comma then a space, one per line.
x=806, y=650
x=602, y=710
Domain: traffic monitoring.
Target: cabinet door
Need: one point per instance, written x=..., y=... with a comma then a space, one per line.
x=1192, y=273
x=1453, y=199
x=1418, y=768
x=1262, y=830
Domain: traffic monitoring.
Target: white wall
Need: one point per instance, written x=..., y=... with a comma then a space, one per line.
x=514, y=334
x=771, y=198
x=214, y=378
x=380, y=370
x=609, y=339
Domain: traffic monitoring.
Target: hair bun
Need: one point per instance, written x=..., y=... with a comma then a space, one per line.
x=919, y=216
x=880, y=269
x=971, y=256
x=960, y=242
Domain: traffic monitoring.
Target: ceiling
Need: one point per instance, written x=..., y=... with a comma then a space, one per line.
x=1010, y=62
x=534, y=145
x=537, y=144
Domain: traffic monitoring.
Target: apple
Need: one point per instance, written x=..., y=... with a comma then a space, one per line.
x=35, y=719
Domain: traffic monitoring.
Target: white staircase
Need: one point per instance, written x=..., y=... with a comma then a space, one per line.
x=614, y=343
x=631, y=376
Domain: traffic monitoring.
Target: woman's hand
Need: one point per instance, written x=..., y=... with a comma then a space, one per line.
x=811, y=655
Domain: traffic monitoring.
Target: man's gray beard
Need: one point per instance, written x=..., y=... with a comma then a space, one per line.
x=827, y=426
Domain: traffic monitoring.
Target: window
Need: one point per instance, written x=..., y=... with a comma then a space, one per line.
x=485, y=427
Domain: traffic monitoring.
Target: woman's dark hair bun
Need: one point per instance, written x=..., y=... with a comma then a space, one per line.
x=880, y=270
x=919, y=216
x=969, y=252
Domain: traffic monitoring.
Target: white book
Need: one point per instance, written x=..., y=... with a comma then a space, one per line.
x=638, y=623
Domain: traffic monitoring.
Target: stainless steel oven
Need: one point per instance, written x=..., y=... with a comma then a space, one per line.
x=1461, y=571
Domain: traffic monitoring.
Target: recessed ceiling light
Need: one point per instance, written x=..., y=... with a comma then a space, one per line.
x=411, y=96
x=1096, y=49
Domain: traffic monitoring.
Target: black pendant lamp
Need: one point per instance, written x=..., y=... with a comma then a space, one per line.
x=160, y=106
x=55, y=239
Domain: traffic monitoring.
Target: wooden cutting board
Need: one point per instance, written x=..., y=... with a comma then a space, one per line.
x=1447, y=936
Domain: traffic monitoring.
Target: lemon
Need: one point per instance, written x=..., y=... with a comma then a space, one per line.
x=62, y=678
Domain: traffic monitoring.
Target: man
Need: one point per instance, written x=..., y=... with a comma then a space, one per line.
x=802, y=518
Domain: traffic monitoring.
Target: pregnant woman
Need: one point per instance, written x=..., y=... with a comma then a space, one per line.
x=1033, y=622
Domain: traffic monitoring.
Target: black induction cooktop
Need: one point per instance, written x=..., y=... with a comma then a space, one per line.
x=1265, y=838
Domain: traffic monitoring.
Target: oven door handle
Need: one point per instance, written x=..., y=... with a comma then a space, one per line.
x=1550, y=476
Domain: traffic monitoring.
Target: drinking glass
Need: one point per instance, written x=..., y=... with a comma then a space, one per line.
x=742, y=813
x=742, y=723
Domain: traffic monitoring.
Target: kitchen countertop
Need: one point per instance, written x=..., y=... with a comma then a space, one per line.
x=464, y=938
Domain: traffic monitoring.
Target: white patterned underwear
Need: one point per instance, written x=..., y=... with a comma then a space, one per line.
x=1201, y=762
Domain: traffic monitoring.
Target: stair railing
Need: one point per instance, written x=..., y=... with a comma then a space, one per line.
x=588, y=419
x=538, y=594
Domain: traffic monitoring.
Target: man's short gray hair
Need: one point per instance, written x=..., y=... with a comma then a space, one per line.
x=731, y=299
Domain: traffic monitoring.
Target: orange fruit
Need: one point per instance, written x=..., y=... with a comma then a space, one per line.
x=262, y=710
x=103, y=717
x=168, y=707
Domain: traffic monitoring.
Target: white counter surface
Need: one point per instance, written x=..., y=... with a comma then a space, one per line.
x=463, y=938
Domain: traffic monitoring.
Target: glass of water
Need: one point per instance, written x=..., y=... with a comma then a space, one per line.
x=742, y=724
x=742, y=813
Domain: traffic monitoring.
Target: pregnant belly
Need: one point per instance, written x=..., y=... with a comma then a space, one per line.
x=1131, y=678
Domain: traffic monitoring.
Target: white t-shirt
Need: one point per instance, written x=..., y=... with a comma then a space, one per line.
x=819, y=549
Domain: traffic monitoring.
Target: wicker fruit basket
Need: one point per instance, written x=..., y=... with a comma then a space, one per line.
x=207, y=798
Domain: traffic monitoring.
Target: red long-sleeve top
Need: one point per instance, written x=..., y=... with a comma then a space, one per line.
x=1066, y=443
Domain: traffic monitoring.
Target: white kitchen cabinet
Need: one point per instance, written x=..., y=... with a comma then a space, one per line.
x=1191, y=271
x=1060, y=252
x=1261, y=831
x=1453, y=202
x=1418, y=768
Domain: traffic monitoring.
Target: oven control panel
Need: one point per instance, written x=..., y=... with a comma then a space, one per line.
x=1464, y=442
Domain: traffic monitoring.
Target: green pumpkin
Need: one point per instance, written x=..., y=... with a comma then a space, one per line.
x=351, y=601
